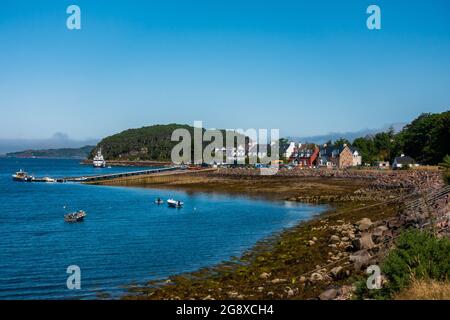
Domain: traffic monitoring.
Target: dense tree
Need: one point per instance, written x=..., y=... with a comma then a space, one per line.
x=426, y=139
x=146, y=143
x=384, y=145
x=341, y=142
x=283, y=144
x=366, y=148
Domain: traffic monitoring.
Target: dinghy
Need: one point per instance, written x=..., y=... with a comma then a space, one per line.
x=174, y=203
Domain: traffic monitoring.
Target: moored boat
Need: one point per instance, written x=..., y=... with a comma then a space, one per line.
x=75, y=216
x=174, y=203
x=99, y=160
x=159, y=201
x=22, y=176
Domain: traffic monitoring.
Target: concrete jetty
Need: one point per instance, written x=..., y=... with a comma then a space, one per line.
x=123, y=175
x=154, y=176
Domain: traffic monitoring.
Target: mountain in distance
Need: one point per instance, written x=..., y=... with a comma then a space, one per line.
x=62, y=153
x=352, y=135
x=57, y=141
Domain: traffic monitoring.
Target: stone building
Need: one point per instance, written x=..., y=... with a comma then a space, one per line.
x=341, y=157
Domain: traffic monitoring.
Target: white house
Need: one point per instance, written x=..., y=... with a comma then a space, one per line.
x=290, y=150
x=357, y=159
x=403, y=161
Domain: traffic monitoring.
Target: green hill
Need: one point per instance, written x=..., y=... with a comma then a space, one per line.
x=75, y=153
x=146, y=143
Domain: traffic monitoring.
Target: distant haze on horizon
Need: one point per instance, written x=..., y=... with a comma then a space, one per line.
x=62, y=140
x=307, y=69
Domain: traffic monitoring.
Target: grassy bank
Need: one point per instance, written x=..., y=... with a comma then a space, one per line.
x=417, y=268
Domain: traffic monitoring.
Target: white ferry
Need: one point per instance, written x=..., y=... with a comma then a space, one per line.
x=99, y=161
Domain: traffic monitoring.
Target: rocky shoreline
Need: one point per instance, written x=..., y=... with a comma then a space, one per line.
x=321, y=258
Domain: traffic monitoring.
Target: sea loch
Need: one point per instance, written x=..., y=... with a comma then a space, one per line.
x=126, y=238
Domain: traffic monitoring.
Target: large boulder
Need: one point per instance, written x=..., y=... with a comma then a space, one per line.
x=330, y=294
x=396, y=223
x=264, y=275
x=334, y=238
x=381, y=234
x=364, y=242
x=360, y=259
x=337, y=273
x=315, y=277
x=364, y=224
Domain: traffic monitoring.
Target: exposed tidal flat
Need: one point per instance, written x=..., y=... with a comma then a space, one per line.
x=271, y=268
x=299, y=262
x=126, y=238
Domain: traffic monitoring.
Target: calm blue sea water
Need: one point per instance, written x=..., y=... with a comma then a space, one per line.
x=125, y=238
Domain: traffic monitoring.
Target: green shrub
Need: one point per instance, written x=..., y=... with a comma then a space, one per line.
x=418, y=255
x=445, y=164
x=447, y=176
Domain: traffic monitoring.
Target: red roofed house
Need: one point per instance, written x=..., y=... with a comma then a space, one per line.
x=306, y=156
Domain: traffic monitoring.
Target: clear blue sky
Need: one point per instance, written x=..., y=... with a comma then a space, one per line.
x=304, y=68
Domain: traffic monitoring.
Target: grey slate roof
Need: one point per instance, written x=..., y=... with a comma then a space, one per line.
x=405, y=160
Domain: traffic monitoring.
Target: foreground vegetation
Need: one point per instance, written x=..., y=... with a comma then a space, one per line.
x=419, y=263
x=425, y=290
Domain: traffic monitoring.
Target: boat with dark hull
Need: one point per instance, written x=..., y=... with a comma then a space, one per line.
x=22, y=176
x=75, y=216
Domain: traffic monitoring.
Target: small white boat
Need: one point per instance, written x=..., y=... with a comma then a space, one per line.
x=159, y=201
x=174, y=203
